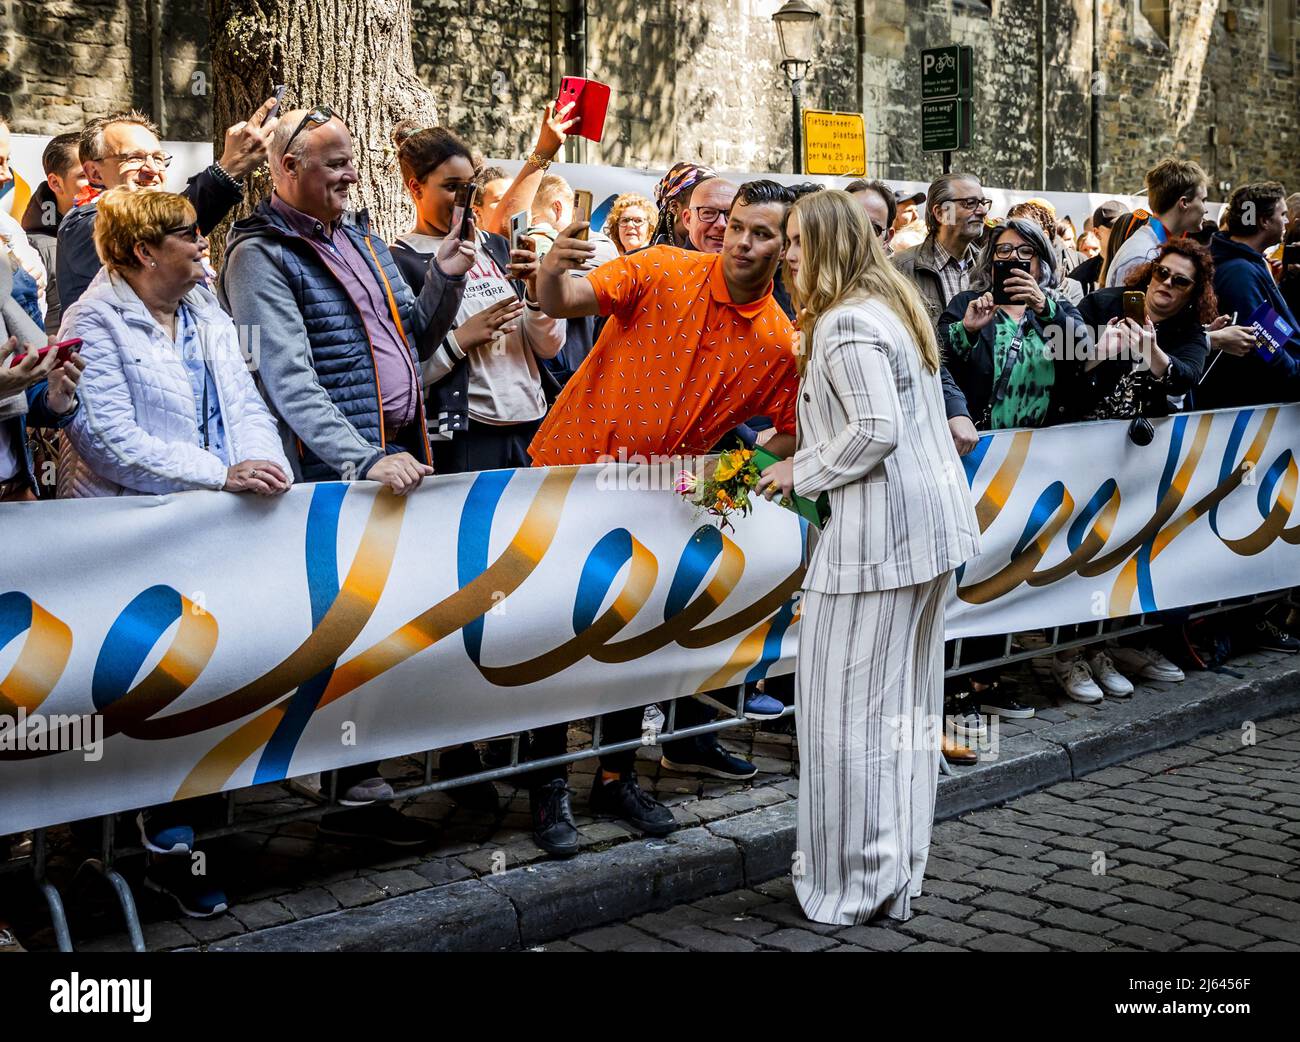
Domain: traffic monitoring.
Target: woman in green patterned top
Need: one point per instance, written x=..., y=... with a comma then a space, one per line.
x=1015, y=362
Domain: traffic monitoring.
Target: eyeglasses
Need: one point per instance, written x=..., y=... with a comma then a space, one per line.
x=880, y=232
x=1162, y=274
x=1004, y=251
x=633, y=222
x=320, y=115
x=188, y=232
x=709, y=214
x=974, y=203
x=135, y=160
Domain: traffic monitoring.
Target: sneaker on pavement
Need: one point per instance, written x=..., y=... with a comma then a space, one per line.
x=1146, y=664
x=963, y=719
x=993, y=701
x=197, y=896
x=1076, y=680
x=366, y=792
x=1111, y=681
x=160, y=838
x=759, y=706
x=625, y=799
x=553, y=826
x=1271, y=637
x=378, y=823
x=689, y=756
x=480, y=796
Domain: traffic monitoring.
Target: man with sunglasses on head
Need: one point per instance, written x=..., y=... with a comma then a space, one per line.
x=123, y=149
x=342, y=337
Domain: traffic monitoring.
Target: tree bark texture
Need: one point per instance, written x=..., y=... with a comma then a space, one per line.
x=352, y=55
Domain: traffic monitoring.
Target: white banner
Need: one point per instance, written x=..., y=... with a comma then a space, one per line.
x=1080, y=523
x=154, y=648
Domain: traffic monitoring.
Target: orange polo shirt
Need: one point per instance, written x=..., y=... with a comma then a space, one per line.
x=677, y=366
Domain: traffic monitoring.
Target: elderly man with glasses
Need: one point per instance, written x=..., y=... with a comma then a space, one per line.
x=123, y=149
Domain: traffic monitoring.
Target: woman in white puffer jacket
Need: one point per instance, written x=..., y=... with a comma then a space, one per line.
x=167, y=405
x=155, y=418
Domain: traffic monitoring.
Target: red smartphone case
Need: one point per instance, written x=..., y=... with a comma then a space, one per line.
x=65, y=349
x=591, y=99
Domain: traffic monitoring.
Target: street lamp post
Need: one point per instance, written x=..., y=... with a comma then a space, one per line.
x=795, y=25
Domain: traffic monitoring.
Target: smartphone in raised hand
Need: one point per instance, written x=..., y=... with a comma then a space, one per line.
x=1002, y=269
x=1135, y=306
x=581, y=215
x=518, y=225
x=461, y=213
x=278, y=93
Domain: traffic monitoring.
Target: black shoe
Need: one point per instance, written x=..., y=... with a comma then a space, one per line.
x=479, y=796
x=705, y=757
x=626, y=799
x=1271, y=637
x=378, y=823
x=553, y=827
x=993, y=701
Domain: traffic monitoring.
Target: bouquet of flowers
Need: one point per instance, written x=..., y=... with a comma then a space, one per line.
x=727, y=489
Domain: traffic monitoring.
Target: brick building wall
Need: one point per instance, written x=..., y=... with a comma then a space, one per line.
x=699, y=79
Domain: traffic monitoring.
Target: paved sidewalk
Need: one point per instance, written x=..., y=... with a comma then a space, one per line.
x=485, y=884
x=1195, y=848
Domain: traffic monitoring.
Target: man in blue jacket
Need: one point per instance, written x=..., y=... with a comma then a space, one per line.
x=341, y=338
x=1257, y=219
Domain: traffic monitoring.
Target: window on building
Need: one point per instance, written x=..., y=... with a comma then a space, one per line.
x=1156, y=13
x=1281, y=30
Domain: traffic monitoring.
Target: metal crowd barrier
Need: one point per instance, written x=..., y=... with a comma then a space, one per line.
x=111, y=851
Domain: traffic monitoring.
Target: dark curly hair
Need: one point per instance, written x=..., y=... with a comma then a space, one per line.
x=1203, y=303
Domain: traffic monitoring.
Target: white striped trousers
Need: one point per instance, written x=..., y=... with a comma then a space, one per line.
x=869, y=702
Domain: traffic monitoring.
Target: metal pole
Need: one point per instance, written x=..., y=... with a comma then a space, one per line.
x=796, y=124
x=947, y=162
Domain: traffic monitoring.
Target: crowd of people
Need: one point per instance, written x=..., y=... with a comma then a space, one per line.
x=455, y=349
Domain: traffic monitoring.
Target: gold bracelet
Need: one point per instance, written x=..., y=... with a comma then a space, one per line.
x=540, y=161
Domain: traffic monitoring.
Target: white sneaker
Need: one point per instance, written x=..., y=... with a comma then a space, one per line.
x=1147, y=664
x=1076, y=680
x=1108, y=678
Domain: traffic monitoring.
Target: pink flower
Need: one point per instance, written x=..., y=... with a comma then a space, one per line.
x=686, y=482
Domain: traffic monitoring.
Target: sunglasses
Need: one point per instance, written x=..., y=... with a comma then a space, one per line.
x=1162, y=274
x=318, y=116
x=188, y=232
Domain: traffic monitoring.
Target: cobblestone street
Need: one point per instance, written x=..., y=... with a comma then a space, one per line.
x=1193, y=848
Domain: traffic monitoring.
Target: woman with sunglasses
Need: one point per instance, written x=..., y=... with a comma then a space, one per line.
x=1139, y=368
x=168, y=405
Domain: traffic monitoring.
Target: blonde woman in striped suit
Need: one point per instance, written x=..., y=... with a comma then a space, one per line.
x=869, y=681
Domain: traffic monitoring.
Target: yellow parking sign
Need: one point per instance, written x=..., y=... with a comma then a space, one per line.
x=835, y=143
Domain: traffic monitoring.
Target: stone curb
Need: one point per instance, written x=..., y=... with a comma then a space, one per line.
x=536, y=903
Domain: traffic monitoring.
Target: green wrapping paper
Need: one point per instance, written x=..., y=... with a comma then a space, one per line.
x=815, y=512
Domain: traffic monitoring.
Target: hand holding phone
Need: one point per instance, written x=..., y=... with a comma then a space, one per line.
x=580, y=216
x=278, y=93
x=1003, y=270
x=462, y=216
x=65, y=350
x=1135, y=306
x=518, y=225
x=590, y=100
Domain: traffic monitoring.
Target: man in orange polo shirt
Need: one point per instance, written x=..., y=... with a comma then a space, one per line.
x=695, y=345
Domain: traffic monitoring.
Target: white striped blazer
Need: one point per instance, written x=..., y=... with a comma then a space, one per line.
x=872, y=432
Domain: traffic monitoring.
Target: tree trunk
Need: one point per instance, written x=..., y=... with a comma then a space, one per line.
x=352, y=55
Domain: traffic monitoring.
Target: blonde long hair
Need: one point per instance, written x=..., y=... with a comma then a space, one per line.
x=842, y=259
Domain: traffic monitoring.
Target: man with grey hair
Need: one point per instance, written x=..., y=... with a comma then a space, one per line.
x=343, y=338
x=955, y=208
x=123, y=149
